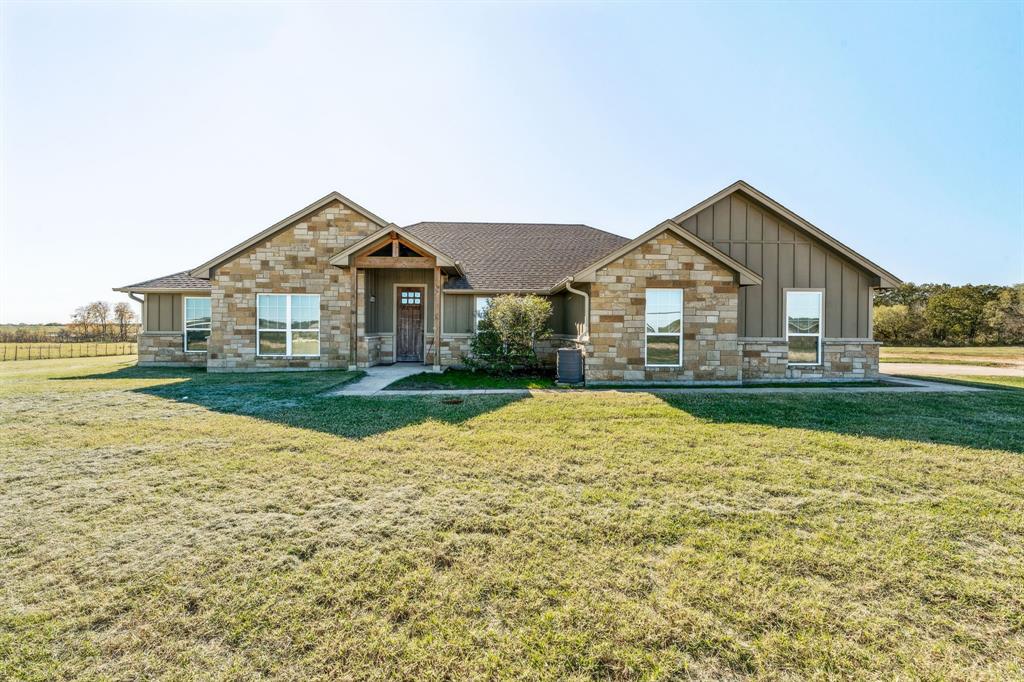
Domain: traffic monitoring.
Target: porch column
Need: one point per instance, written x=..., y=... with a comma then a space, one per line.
x=353, y=342
x=437, y=319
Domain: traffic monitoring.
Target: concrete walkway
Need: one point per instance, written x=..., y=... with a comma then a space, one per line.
x=380, y=380
x=938, y=370
x=379, y=376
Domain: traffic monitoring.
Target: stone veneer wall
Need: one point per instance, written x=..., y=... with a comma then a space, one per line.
x=615, y=351
x=292, y=261
x=166, y=349
x=852, y=359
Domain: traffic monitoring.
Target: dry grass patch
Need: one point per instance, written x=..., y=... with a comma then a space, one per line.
x=169, y=523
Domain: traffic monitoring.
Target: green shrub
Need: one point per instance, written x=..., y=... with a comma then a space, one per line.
x=507, y=336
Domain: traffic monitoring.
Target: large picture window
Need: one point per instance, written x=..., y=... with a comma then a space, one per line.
x=804, y=326
x=482, y=302
x=197, y=324
x=288, y=324
x=663, y=345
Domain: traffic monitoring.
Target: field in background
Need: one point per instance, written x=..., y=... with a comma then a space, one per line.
x=52, y=351
x=169, y=523
x=982, y=356
x=32, y=328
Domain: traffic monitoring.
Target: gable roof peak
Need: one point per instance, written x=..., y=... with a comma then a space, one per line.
x=885, y=278
x=203, y=271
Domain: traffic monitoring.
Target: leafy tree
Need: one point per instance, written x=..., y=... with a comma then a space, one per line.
x=957, y=315
x=507, y=335
x=1004, y=316
x=893, y=323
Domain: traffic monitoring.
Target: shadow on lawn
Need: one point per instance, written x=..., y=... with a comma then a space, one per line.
x=296, y=399
x=990, y=420
x=985, y=420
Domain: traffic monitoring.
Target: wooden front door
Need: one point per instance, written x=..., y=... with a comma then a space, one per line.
x=409, y=334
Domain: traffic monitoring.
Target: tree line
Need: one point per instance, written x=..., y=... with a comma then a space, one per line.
x=942, y=314
x=94, y=322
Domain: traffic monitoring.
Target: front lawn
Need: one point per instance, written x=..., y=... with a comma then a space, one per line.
x=464, y=379
x=174, y=524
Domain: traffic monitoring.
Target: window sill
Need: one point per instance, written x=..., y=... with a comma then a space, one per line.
x=286, y=357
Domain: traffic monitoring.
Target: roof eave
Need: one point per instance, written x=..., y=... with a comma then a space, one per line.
x=160, y=290
x=887, y=279
x=342, y=258
x=744, y=275
x=203, y=271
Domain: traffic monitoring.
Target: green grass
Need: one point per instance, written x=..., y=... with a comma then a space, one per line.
x=174, y=524
x=465, y=379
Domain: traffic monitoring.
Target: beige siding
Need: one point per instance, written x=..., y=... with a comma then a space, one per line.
x=457, y=313
x=163, y=312
x=575, y=312
x=786, y=258
x=567, y=313
x=380, y=283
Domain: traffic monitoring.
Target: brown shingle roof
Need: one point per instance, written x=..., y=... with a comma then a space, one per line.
x=179, y=280
x=517, y=256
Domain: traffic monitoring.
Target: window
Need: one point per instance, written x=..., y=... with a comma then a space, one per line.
x=412, y=297
x=197, y=324
x=287, y=324
x=804, y=326
x=482, y=303
x=664, y=328
x=407, y=252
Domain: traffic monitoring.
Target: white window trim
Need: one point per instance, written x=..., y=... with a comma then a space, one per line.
x=821, y=325
x=682, y=320
x=288, y=327
x=184, y=323
x=476, y=318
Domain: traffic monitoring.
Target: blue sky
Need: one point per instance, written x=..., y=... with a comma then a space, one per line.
x=142, y=139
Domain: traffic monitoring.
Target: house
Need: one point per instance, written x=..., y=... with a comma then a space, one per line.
x=735, y=289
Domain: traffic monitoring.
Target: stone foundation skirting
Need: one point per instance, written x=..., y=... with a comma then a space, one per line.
x=767, y=359
x=166, y=349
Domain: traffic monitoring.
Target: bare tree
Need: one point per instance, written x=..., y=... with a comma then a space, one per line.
x=101, y=314
x=91, y=321
x=125, y=317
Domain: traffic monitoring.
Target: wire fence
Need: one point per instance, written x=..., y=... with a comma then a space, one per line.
x=53, y=351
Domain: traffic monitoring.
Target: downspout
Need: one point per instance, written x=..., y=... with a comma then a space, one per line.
x=586, y=308
x=142, y=307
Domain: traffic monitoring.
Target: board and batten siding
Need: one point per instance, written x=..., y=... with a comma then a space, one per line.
x=163, y=311
x=786, y=258
x=567, y=311
x=380, y=284
x=457, y=313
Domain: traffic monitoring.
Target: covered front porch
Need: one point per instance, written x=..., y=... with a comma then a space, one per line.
x=396, y=313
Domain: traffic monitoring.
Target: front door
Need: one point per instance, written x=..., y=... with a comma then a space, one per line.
x=409, y=334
